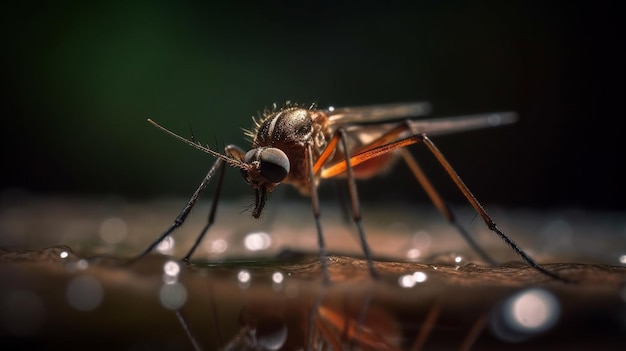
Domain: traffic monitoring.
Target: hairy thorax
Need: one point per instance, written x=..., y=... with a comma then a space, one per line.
x=293, y=130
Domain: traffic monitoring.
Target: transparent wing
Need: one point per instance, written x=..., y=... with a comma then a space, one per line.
x=377, y=119
x=376, y=113
x=360, y=135
x=457, y=124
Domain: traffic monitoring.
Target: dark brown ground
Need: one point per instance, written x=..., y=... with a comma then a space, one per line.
x=66, y=282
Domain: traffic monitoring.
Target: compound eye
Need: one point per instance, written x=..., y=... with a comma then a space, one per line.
x=274, y=164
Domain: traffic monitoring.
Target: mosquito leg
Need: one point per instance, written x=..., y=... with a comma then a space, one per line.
x=315, y=204
x=474, y=333
x=443, y=208
x=356, y=209
x=215, y=317
x=343, y=199
x=315, y=325
x=428, y=325
x=190, y=336
x=211, y=218
x=388, y=139
x=480, y=209
x=185, y=212
x=361, y=157
x=327, y=336
x=360, y=323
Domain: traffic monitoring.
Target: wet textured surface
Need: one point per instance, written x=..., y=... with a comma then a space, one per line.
x=66, y=281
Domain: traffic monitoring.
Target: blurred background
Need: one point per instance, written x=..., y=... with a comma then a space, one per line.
x=80, y=80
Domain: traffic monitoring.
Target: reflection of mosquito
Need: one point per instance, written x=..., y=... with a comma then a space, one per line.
x=301, y=146
x=348, y=318
x=277, y=324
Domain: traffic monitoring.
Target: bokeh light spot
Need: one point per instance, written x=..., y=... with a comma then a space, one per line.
x=113, y=230
x=84, y=293
x=525, y=314
x=173, y=296
x=257, y=241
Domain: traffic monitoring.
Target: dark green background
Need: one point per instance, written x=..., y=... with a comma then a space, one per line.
x=80, y=79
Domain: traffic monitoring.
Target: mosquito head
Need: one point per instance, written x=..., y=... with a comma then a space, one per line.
x=268, y=167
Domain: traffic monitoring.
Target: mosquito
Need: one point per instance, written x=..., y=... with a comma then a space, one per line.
x=303, y=146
